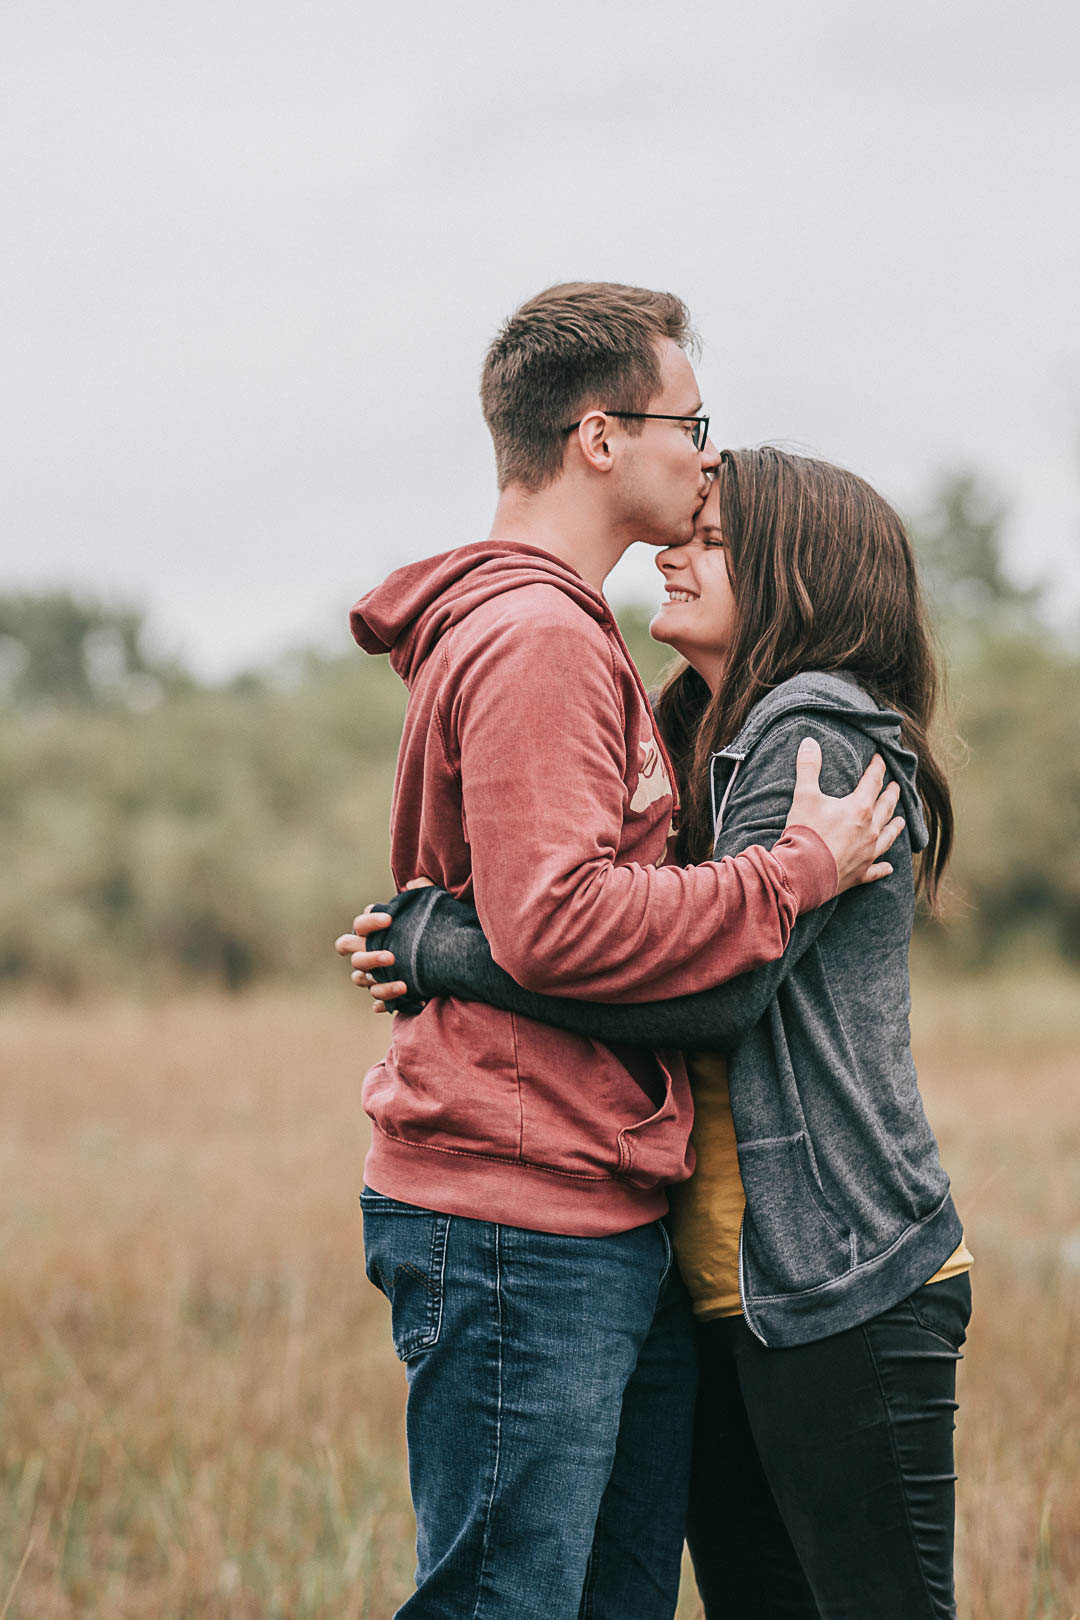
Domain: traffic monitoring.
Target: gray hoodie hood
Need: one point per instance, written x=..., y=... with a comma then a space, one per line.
x=840, y=697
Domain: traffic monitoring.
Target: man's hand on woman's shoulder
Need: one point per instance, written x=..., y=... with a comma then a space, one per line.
x=858, y=828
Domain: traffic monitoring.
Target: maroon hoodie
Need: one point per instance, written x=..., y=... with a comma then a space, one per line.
x=530, y=782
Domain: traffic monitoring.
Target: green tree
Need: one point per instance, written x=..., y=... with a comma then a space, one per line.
x=58, y=647
x=1011, y=727
x=960, y=541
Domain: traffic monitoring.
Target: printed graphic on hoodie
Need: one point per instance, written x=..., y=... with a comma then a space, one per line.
x=652, y=782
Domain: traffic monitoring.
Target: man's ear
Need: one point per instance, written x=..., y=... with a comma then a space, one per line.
x=593, y=434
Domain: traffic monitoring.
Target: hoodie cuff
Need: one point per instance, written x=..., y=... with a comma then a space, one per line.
x=411, y=911
x=808, y=866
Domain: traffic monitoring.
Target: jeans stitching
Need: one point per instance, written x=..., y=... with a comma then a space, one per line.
x=440, y=1242
x=587, y=1608
x=423, y=1338
x=490, y=1504
x=919, y=1564
x=376, y=1204
x=940, y=1332
x=421, y=1276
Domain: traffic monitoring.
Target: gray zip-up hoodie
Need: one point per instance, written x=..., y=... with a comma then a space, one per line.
x=847, y=1206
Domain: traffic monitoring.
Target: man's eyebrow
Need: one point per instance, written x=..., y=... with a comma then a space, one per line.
x=695, y=410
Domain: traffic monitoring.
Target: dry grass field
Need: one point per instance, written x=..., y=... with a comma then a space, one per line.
x=201, y=1415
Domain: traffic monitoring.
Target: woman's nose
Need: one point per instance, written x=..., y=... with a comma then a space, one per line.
x=671, y=559
x=669, y=562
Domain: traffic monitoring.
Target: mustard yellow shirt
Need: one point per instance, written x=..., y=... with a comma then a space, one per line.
x=707, y=1210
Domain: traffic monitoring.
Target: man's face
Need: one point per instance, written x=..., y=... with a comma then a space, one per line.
x=662, y=479
x=698, y=615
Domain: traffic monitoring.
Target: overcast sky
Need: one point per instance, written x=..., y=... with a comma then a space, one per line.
x=253, y=253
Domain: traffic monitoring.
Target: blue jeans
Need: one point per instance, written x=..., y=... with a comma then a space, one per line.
x=550, y=1411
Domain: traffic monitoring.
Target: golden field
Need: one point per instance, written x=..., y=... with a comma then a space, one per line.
x=201, y=1415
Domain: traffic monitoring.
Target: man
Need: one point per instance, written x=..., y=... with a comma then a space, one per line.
x=516, y=1176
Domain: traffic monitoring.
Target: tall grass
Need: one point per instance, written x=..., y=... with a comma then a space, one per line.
x=201, y=1414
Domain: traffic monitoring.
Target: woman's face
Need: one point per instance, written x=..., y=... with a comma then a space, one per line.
x=698, y=615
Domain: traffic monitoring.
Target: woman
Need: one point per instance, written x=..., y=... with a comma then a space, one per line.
x=817, y=1236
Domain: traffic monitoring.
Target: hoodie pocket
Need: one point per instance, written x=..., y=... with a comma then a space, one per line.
x=655, y=1149
x=585, y=1114
x=793, y=1239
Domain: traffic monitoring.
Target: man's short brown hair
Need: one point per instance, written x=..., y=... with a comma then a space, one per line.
x=579, y=346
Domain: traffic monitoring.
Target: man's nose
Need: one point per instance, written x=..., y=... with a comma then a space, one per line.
x=710, y=457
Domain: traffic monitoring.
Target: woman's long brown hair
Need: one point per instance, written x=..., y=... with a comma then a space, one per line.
x=823, y=578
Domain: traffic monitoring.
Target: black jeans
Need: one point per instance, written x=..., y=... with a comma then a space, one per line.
x=823, y=1479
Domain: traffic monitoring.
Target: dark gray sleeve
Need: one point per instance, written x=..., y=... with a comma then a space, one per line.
x=441, y=949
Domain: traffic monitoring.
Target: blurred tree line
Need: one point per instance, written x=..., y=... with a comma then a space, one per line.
x=158, y=831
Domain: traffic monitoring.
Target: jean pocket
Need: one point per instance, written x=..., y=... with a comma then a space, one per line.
x=405, y=1253
x=793, y=1239
x=944, y=1308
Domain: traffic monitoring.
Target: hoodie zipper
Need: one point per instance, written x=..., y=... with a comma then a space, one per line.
x=718, y=809
x=742, y=1287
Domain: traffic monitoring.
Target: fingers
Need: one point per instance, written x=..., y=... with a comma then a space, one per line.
x=388, y=992
x=363, y=961
x=888, y=835
x=355, y=948
x=879, y=870
x=345, y=944
x=808, y=764
x=885, y=806
x=383, y=994
x=369, y=922
x=870, y=781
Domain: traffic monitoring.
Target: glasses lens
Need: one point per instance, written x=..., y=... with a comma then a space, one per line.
x=701, y=432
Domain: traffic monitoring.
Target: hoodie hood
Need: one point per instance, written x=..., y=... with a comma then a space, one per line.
x=415, y=606
x=840, y=695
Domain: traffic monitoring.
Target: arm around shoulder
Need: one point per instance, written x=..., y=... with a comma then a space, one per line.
x=450, y=956
x=541, y=734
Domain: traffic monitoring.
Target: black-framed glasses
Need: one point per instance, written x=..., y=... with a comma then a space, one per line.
x=701, y=423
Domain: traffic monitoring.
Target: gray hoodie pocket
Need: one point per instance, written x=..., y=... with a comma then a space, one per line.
x=792, y=1238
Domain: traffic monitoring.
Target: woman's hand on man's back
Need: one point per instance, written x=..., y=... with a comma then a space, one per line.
x=362, y=961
